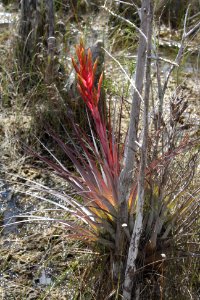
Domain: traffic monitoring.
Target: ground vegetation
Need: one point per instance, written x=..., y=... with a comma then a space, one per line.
x=115, y=215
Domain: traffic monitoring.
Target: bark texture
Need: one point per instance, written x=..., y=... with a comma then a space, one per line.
x=36, y=31
x=138, y=226
x=30, y=28
x=126, y=176
x=127, y=173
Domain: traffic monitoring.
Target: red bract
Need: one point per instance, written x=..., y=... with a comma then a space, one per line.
x=86, y=74
x=86, y=85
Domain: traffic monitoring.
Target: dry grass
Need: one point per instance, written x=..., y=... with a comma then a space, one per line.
x=76, y=272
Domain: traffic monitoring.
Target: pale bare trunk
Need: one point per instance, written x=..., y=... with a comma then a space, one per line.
x=137, y=231
x=126, y=176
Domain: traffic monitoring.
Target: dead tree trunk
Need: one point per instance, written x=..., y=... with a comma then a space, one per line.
x=30, y=28
x=138, y=225
x=36, y=31
x=127, y=173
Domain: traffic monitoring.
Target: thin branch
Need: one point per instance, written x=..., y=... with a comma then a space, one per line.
x=181, y=49
x=127, y=76
x=128, y=3
x=125, y=20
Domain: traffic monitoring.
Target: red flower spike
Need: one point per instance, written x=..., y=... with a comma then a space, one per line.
x=86, y=70
x=86, y=74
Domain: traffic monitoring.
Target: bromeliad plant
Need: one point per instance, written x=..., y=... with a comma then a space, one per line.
x=97, y=163
x=95, y=207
